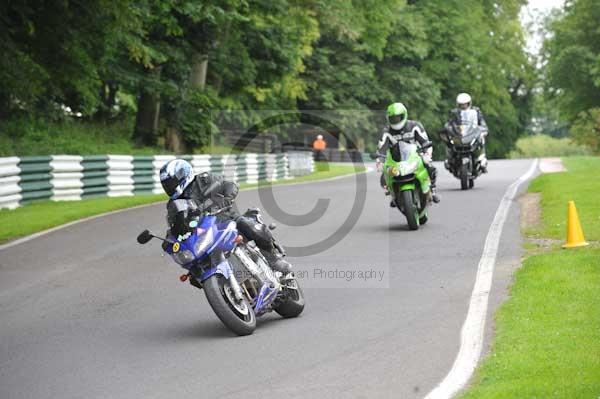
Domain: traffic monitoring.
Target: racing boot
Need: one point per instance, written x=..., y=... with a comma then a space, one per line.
x=434, y=196
x=483, y=163
x=276, y=261
x=433, y=176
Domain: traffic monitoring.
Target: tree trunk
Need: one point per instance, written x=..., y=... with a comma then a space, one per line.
x=199, y=68
x=174, y=141
x=146, y=120
x=108, y=95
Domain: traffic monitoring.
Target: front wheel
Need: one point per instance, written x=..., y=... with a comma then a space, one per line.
x=238, y=316
x=464, y=176
x=292, y=303
x=410, y=210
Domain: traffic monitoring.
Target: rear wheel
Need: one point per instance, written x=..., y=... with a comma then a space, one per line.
x=237, y=315
x=464, y=176
x=410, y=209
x=471, y=183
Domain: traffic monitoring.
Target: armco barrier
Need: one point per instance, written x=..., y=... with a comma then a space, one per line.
x=301, y=162
x=73, y=177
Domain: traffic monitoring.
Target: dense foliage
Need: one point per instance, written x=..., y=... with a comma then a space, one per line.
x=168, y=63
x=572, y=56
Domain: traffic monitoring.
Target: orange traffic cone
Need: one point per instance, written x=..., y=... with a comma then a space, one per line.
x=574, y=232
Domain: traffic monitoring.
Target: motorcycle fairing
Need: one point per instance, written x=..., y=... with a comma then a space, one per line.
x=221, y=237
x=410, y=163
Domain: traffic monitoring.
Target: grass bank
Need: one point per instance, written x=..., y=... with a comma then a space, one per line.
x=26, y=137
x=39, y=216
x=547, y=342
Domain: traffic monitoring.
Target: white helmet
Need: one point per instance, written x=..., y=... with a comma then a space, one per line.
x=463, y=100
x=320, y=137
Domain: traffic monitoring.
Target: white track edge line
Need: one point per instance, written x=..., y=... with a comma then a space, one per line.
x=472, y=333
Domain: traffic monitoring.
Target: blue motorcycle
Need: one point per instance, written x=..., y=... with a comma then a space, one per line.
x=236, y=278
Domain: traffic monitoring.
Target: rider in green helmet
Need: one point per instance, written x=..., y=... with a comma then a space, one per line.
x=400, y=128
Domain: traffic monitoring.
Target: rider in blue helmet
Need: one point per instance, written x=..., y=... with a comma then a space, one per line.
x=188, y=192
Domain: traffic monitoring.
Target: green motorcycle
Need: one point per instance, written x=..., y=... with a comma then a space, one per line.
x=408, y=182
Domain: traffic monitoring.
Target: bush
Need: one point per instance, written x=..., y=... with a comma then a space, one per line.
x=545, y=146
x=586, y=129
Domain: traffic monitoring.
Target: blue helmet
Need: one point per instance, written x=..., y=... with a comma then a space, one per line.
x=175, y=176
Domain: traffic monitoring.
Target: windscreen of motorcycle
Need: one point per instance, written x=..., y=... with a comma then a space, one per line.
x=406, y=149
x=468, y=117
x=470, y=133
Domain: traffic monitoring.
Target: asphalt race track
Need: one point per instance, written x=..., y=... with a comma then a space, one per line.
x=86, y=312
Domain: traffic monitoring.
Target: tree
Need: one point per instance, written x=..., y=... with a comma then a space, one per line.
x=50, y=58
x=572, y=57
x=586, y=129
x=183, y=61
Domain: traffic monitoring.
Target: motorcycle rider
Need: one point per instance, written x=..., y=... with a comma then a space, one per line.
x=466, y=114
x=399, y=127
x=188, y=193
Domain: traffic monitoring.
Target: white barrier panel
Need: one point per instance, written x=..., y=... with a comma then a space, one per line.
x=67, y=175
x=9, y=183
x=300, y=163
x=120, y=175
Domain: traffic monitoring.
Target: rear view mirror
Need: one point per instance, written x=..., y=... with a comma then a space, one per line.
x=144, y=237
x=373, y=155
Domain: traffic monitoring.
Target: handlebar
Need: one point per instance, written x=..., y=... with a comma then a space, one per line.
x=220, y=210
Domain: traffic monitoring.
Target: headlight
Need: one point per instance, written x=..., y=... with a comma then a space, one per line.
x=183, y=257
x=203, y=242
x=392, y=170
x=408, y=167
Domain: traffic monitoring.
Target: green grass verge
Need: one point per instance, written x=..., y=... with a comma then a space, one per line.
x=39, y=216
x=547, y=342
x=581, y=183
x=323, y=170
x=43, y=215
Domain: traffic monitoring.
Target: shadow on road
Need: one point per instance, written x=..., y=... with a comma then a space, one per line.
x=193, y=330
x=190, y=330
x=441, y=190
x=386, y=228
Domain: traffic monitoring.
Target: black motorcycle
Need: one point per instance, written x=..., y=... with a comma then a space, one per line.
x=465, y=159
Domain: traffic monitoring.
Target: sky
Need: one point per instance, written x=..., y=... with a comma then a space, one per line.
x=534, y=11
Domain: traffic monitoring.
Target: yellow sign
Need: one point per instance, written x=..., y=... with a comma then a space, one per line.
x=176, y=247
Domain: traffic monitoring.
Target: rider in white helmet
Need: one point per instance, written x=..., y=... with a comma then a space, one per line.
x=465, y=113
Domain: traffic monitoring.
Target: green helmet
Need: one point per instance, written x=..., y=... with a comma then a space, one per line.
x=397, y=115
